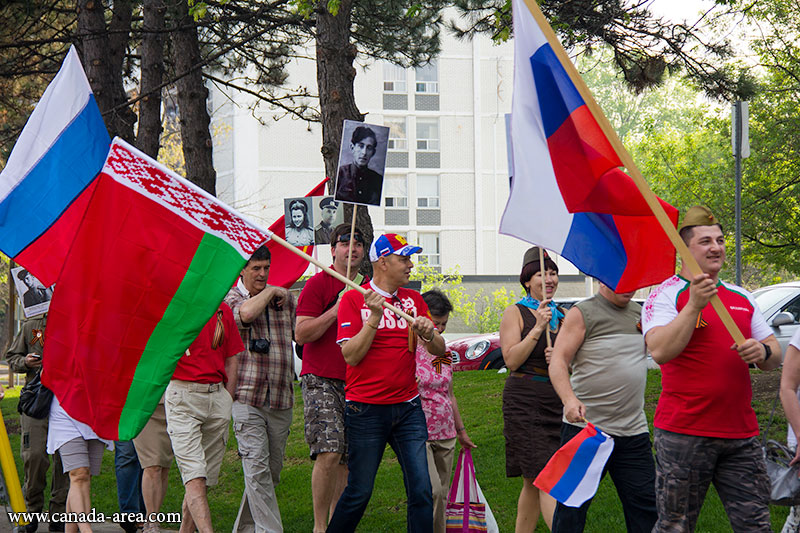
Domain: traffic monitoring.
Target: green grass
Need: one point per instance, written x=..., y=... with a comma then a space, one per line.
x=480, y=398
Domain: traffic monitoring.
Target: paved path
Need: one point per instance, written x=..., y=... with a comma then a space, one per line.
x=108, y=527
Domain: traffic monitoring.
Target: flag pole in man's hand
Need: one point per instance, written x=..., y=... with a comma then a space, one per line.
x=628, y=163
x=336, y=275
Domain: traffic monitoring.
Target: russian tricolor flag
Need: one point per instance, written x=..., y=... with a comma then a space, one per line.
x=568, y=193
x=573, y=474
x=48, y=180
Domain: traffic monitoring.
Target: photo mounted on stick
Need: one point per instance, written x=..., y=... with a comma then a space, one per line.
x=34, y=296
x=362, y=162
x=299, y=221
x=328, y=214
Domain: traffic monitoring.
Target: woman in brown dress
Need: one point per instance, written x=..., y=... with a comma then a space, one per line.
x=531, y=408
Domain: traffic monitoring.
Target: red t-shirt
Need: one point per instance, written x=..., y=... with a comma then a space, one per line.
x=203, y=364
x=706, y=390
x=323, y=357
x=386, y=375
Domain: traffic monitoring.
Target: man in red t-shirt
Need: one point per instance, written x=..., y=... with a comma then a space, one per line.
x=322, y=377
x=198, y=403
x=382, y=402
x=705, y=427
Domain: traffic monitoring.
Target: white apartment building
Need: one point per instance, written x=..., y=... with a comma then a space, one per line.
x=446, y=181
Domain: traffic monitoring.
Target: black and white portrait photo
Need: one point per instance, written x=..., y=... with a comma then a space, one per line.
x=328, y=215
x=299, y=221
x=362, y=162
x=34, y=296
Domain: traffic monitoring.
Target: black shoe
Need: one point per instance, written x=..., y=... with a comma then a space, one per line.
x=56, y=526
x=32, y=527
x=129, y=527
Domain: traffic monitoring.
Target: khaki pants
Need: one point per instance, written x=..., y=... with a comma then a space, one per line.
x=198, y=416
x=440, y=465
x=35, y=462
x=261, y=433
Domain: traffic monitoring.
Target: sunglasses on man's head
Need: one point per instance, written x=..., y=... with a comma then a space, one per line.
x=346, y=238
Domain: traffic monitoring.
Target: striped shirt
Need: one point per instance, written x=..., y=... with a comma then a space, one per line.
x=265, y=379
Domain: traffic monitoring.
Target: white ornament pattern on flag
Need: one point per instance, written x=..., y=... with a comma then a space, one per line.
x=210, y=214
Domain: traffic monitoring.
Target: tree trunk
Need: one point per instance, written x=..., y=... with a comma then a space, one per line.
x=119, y=33
x=335, y=76
x=149, y=133
x=103, y=63
x=192, y=100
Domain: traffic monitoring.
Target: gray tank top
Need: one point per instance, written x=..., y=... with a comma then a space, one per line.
x=609, y=370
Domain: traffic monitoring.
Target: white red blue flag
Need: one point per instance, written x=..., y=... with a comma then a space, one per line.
x=47, y=182
x=573, y=474
x=568, y=193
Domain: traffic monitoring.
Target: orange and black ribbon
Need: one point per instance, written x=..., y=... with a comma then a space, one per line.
x=701, y=323
x=441, y=360
x=38, y=337
x=219, y=332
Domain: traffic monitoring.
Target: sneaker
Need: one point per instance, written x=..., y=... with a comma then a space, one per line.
x=32, y=527
x=792, y=524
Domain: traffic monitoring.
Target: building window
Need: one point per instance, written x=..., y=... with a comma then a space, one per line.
x=430, y=249
x=397, y=157
x=428, y=134
x=394, y=79
x=395, y=191
x=427, y=79
x=398, y=140
x=427, y=190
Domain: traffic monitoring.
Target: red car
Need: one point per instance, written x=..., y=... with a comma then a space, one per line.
x=477, y=352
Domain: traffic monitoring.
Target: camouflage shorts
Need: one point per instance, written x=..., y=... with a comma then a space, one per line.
x=323, y=410
x=686, y=464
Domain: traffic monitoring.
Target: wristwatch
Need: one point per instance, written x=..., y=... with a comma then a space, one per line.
x=768, y=352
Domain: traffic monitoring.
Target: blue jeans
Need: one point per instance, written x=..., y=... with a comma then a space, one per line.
x=633, y=472
x=129, y=477
x=369, y=428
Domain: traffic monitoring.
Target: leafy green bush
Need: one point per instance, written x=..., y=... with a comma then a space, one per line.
x=481, y=311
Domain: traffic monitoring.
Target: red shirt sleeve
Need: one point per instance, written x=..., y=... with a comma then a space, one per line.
x=310, y=301
x=349, y=317
x=233, y=344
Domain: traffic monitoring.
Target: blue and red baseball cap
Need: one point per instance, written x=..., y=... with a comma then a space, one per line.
x=391, y=243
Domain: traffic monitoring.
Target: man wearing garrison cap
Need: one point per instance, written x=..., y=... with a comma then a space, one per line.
x=705, y=428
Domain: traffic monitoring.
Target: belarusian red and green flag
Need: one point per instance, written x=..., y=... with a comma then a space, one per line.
x=152, y=260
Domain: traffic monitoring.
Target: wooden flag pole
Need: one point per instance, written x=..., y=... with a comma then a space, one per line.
x=352, y=237
x=627, y=161
x=330, y=271
x=544, y=294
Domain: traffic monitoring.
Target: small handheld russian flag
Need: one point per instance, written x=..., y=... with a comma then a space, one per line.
x=573, y=474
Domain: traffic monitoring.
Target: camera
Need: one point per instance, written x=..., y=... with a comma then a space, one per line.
x=259, y=345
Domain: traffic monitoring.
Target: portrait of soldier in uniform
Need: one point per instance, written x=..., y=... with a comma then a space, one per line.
x=35, y=297
x=362, y=162
x=329, y=217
